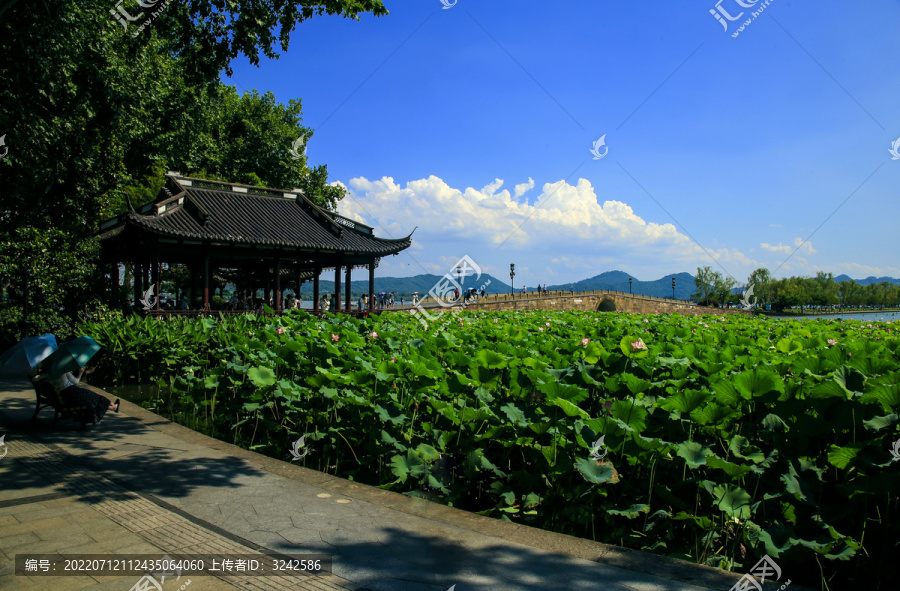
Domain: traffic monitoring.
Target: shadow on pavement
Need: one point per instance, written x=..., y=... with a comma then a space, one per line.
x=119, y=447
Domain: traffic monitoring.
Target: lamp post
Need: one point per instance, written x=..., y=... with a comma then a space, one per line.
x=512, y=278
x=673, y=288
x=629, y=286
x=459, y=277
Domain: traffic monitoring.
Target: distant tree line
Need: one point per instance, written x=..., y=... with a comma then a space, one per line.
x=714, y=289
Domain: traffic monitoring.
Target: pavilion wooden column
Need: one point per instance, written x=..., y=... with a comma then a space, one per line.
x=138, y=286
x=317, y=271
x=192, y=298
x=114, y=293
x=278, y=285
x=206, y=283
x=337, y=287
x=372, y=285
x=156, y=281
x=349, y=293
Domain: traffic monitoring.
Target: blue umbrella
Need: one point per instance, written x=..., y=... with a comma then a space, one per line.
x=71, y=355
x=25, y=355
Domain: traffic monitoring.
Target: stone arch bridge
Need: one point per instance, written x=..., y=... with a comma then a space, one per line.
x=594, y=301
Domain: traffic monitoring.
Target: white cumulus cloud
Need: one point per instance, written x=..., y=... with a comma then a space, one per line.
x=565, y=232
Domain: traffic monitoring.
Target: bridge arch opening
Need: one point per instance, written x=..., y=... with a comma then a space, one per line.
x=606, y=305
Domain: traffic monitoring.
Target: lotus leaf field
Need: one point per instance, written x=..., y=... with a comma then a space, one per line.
x=713, y=439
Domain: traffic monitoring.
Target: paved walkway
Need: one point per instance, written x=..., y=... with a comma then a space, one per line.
x=138, y=484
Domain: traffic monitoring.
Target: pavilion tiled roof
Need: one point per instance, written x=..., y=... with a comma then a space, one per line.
x=211, y=211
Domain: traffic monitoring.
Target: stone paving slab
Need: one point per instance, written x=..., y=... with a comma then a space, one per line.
x=159, y=485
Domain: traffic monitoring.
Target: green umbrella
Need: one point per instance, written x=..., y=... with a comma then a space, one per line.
x=71, y=355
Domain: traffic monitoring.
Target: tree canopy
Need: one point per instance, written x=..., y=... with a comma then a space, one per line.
x=790, y=292
x=97, y=103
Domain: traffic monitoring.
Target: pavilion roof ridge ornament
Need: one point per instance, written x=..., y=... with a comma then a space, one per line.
x=225, y=186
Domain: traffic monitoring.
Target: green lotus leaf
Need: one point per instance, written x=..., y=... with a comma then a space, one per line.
x=386, y=438
x=840, y=457
x=385, y=415
x=850, y=379
x=685, y=401
x=729, y=468
x=490, y=359
x=568, y=408
x=789, y=346
x=573, y=394
x=428, y=453
x=410, y=464
x=727, y=393
x=631, y=512
x=594, y=472
x=792, y=483
x=630, y=414
x=693, y=453
x=733, y=500
x=470, y=415
x=261, y=376
x=830, y=389
x=437, y=483
x=846, y=553
x=713, y=414
x=777, y=539
x=757, y=382
x=773, y=423
x=478, y=461
x=887, y=395
x=879, y=423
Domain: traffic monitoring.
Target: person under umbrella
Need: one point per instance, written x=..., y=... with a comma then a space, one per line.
x=64, y=369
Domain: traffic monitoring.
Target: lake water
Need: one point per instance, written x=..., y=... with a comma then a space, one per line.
x=135, y=393
x=866, y=316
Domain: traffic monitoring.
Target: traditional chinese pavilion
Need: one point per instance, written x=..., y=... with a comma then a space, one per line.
x=259, y=238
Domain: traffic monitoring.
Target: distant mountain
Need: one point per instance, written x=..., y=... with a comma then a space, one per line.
x=610, y=280
x=618, y=281
x=867, y=280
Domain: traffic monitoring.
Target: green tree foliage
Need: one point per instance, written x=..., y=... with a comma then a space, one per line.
x=712, y=287
x=56, y=271
x=93, y=113
x=823, y=291
x=761, y=280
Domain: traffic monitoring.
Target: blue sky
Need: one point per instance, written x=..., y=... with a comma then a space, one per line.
x=475, y=123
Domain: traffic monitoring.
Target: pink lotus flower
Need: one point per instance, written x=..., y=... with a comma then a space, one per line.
x=646, y=321
x=393, y=359
x=541, y=328
x=585, y=341
x=547, y=324
x=335, y=338
x=280, y=330
x=495, y=321
x=832, y=342
x=638, y=345
x=374, y=335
